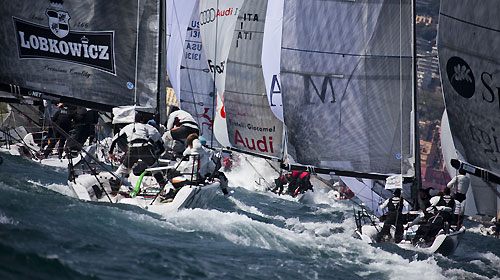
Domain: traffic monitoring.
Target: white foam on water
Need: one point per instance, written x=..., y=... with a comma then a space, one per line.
x=62, y=189
x=461, y=274
x=312, y=237
x=7, y=221
x=252, y=173
x=253, y=210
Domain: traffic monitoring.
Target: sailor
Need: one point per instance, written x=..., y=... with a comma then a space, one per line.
x=84, y=121
x=424, y=199
x=438, y=216
x=293, y=182
x=394, y=216
x=303, y=183
x=446, y=205
x=459, y=185
x=179, y=125
x=280, y=183
x=62, y=119
x=144, y=144
x=199, y=167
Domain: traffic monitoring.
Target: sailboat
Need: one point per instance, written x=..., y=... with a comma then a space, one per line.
x=61, y=53
x=348, y=98
x=469, y=62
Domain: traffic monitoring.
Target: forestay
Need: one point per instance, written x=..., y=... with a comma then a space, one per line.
x=101, y=52
x=217, y=22
x=469, y=55
x=251, y=124
x=196, y=83
x=346, y=84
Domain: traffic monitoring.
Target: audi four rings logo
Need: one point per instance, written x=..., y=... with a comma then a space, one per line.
x=207, y=16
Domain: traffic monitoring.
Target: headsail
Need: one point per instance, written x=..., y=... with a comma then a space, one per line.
x=94, y=53
x=251, y=124
x=196, y=93
x=347, y=87
x=470, y=78
x=217, y=22
x=179, y=16
x=271, y=54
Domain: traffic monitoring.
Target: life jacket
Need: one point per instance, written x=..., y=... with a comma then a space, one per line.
x=303, y=174
x=446, y=200
x=295, y=174
x=395, y=204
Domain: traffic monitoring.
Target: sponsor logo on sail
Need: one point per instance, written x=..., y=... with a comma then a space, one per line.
x=57, y=41
x=461, y=77
x=208, y=16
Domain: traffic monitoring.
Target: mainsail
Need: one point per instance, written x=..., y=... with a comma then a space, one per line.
x=470, y=78
x=347, y=87
x=95, y=53
x=251, y=124
x=217, y=23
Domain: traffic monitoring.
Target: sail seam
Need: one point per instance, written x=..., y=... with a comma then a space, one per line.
x=346, y=54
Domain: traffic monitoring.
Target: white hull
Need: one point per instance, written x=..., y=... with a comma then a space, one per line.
x=187, y=197
x=444, y=244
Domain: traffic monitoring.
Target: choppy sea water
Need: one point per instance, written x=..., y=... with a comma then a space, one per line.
x=47, y=234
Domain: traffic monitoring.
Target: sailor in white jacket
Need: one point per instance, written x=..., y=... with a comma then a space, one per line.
x=143, y=143
x=459, y=185
x=180, y=124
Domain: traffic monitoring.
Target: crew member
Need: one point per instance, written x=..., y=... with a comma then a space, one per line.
x=459, y=185
x=281, y=182
x=394, y=216
x=303, y=183
x=144, y=143
x=62, y=118
x=180, y=124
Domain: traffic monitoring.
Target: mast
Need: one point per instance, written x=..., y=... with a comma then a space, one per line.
x=417, y=185
x=160, y=102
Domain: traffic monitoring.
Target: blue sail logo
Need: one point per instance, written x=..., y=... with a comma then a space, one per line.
x=461, y=77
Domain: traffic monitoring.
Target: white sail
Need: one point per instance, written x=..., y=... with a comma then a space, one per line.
x=449, y=152
x=196, y=94
x=469, y=55
x=346, y=84
x=217, y=21
x=251, y=124
x=271, y=55
x=178, y=18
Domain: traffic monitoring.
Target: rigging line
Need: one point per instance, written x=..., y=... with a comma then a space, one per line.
x=81, y=148
x=345, y=54
x=215, y=73
x=401, y=160
x=188, y=74
x=471, y=23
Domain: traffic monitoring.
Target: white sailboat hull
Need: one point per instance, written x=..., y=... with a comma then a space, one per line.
x=196, y=196
x=444, y=244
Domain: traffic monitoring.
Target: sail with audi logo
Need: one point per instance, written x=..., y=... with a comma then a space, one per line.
x=217, y=23
x=470, y=78
x=252, y=126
